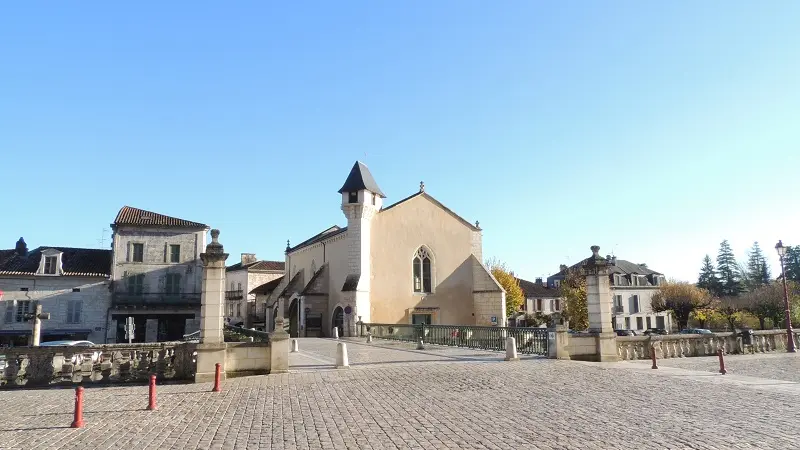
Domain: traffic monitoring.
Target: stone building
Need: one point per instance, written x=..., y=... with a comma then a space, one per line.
x=632, y=287
x=240, y=279
x=156, y=275
x=414, y=261
x=72, y=284
x=539, y=298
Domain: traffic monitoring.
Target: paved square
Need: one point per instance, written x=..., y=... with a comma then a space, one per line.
x=396, y=397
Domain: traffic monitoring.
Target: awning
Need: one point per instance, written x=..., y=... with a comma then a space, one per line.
x=15, y=332
x=50, y=332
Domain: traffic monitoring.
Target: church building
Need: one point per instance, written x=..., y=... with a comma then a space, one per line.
x=412, y=262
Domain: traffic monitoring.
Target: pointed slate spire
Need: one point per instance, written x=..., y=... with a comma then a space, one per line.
x=360, y=178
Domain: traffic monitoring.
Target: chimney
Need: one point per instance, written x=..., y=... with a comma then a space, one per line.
x=613, y=260
x=562, y=267
x=248, y=258
x=22, y=247
x=539, y=281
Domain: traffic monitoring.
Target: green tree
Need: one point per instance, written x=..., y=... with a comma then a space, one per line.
x=791, y=262
x=728, y=270
x=764, y=302
x=708, y=278
x=506, y=278
x=573, y=290
x=681, y=299
x=757, y=271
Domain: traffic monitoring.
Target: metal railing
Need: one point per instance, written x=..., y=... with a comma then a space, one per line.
x=157, y=298
x=234, y=295
x=531, y=341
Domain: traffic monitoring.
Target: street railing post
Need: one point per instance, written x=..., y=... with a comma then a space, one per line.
x=77, y=421
x=653, y=356
x=151, y=404
x=217, y=376
x=721, y=362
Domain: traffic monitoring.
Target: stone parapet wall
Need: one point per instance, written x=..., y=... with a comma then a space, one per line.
x=112, y=363
x=690, y=345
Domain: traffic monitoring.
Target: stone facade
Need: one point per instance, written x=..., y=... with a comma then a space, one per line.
x=369, y=266
x=240, y=280
x=156, y=276
x=86, y=299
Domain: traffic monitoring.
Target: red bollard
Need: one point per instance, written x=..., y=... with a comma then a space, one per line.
x=151, y=406
x=653, y=356
x=78, y=421
x=217, y=375
x=721, y=362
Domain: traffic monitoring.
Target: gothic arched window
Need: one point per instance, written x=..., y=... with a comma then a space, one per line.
x=422, y=271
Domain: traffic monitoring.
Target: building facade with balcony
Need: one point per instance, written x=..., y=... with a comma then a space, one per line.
x=72, y=284
x=539, y=298
x=240, y=279
x=632, y=288
x=156, y=275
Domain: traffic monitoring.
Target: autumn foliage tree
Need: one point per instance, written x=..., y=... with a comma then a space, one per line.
x=514, y=294
x=573, y=290
x=681, y=299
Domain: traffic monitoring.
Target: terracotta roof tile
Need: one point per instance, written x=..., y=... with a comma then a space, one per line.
x=135, y=216
x=88, y=262
x=258, y=265
x=267, y=287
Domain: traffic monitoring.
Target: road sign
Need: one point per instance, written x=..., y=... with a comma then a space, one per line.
x=494, y=319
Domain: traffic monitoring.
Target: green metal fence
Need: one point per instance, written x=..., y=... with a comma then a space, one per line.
x=531, y=341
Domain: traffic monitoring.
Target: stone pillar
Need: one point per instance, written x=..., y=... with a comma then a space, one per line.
x=598, y=299
x=37, y=325
x=211, y=349
x=557, y=341
x=279, y=341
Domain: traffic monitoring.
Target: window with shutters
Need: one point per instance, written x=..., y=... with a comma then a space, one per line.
x=135, y=284
x=50, y=264
x=9, y=312
x=74, y=308
x=175, y=253
x=137, y=252
x=173, y=283
x=635, y=301
x=422, y=271
x=23, y=307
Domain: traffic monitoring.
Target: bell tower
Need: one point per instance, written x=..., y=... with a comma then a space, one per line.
x=361, y=200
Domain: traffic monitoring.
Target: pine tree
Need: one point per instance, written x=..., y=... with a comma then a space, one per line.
x=791, y=263
x=708, y=278
x=757, y=269
x=728, y=270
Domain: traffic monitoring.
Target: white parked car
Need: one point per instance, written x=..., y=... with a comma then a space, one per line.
x=79, y=358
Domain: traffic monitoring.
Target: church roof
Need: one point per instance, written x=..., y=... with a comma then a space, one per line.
x=360, y=178
x=294, y=285
x=317, y=288
x=435, y=202
x=135, y=216
x=267, y=287
x=330, y=232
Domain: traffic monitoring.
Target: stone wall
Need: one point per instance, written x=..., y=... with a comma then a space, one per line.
x=115, y=363
x=488, y=297
x=55, y=294
x=689, y=345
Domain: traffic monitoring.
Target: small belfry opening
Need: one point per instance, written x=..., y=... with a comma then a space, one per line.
x=422, y=271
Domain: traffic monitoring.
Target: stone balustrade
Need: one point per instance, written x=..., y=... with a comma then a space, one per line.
x=112, y=363
x=689, y=345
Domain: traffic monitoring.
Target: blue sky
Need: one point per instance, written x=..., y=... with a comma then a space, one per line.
x=652, y=130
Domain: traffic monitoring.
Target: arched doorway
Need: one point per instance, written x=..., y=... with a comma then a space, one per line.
x=338, y=320
x=294, y=318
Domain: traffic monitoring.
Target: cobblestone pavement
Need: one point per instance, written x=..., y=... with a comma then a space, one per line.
x=396, y=397
x=776, y=366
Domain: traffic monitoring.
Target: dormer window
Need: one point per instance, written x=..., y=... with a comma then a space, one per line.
x=352, y=197
x=50, y=263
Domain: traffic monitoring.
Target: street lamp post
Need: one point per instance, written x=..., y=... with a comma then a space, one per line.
x=789, y=333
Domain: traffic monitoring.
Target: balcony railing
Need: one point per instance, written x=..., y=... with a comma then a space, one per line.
x=618, y=309
x=234, y=295
x=157, y=298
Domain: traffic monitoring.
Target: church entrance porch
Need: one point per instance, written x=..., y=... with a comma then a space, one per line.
x=294, y=318
x=338, y=320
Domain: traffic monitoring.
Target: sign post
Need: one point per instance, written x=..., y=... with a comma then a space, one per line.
x=37, y=318
x=130, y=328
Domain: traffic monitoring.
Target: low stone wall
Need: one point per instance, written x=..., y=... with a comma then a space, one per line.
x=243, y=359
x=689, y=345
x=582, y=347
x=112, y=363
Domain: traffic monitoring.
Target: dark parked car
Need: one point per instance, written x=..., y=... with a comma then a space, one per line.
x=696, y=331
x=655, y=331
x=625, y=332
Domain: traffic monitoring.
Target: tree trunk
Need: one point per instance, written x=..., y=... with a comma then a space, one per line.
x=761, y=322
